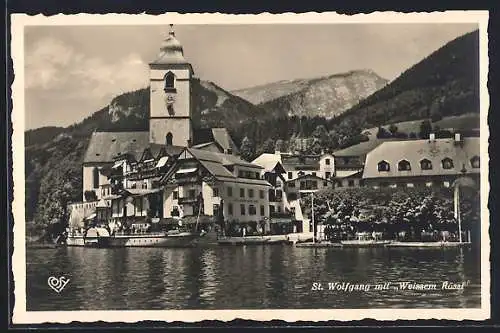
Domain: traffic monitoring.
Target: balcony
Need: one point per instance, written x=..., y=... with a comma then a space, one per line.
x=187, y=200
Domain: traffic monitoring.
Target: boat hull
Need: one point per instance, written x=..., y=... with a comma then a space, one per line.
x=363, y=243
x=180, y=240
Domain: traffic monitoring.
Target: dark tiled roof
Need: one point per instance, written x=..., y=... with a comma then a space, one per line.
x=299, y=162
x=104, y=146
x=223, y=159
x=361, y=149
x=416, y=150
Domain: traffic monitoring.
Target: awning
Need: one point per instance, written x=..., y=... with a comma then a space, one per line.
x=118, y=164
x=90, y=217
x=161, y=163
x=188, y=170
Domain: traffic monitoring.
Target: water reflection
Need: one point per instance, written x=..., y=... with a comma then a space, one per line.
x=248, y=277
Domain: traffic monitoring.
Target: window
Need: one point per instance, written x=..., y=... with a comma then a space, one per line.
x=325, y=183
x=279, y=194
x=446, y=184
x=216, y=192
x=425, y=164
x=229, y=191
x=261, y=194
x=168, y=139
x=262, y=211
x=252, y=210
x=474, y=162
x=328, y=175
x=216, y=208
x=241, y=174
x=169, y=81
x=290, y=176
x=257, y=175
x=279, y=209
x=242, y=208
x=230, y=209
x=250, y=192
x=315, y=184
x=447, y=163
x=383, y=166
x=350, y=183
x=242, y=192
x=291, y=184
x=301, y=173
x=95, y=176
x=314, y=173
x=327, y=161
x=404, y=165
x=191, y=194
x=271, y=209
x=302, y=184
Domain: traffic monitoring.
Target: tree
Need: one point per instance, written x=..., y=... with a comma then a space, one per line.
x=425, y=129
x=280, y=145
x=382, y=133
x=247, y=149
x=393, y=129
x=435, y=110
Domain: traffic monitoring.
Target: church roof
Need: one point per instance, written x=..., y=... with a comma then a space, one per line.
x=105, y=146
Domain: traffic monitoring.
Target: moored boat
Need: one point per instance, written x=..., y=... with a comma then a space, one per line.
x=364, y=239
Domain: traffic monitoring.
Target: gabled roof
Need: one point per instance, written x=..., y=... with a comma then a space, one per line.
x=223, y=159
x=267, y=161
x=416, y=150
x=222, y=137
x=215, y=164
x=104, y=146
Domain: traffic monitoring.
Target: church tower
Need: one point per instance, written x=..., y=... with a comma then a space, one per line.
x=171, y=107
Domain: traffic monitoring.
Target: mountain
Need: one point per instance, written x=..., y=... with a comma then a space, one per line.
x=446, y=83
x=326, y=96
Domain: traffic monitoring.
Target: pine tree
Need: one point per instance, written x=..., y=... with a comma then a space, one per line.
x=247, y=149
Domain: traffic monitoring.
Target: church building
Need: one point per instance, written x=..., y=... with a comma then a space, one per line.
x=171, y=128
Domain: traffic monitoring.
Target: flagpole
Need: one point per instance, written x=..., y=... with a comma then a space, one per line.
x=312, y=216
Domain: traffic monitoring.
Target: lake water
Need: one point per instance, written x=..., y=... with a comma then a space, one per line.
x=248, y=277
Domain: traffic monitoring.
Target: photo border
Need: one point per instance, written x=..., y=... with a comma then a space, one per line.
x=22, y=316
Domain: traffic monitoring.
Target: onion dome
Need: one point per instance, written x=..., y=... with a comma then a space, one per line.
x=171, y=51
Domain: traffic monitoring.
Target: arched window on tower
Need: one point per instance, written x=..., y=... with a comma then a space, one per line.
x=168, y=139
x=169, y=81
x=95, y=177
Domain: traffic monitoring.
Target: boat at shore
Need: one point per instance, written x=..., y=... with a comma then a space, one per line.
x=439, y=244
x=365, y=239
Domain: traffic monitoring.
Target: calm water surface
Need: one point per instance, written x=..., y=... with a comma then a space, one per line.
x=247, y=277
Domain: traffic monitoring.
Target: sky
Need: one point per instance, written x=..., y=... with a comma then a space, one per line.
x=73, y=71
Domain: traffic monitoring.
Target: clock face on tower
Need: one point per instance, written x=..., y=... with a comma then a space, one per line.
x=169, y=99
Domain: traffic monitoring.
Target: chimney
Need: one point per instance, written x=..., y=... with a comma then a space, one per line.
x=432, y=137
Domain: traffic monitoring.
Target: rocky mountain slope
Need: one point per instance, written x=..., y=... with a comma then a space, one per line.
x=325, y=96
x=445, y=83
